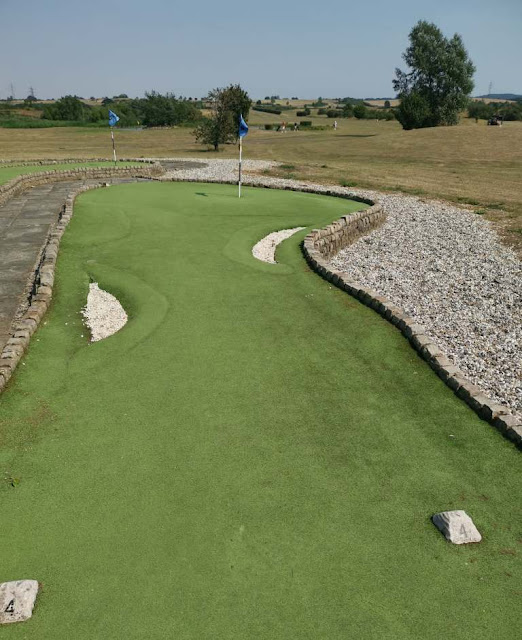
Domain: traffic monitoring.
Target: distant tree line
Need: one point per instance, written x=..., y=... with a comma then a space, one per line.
x=155, y=110
x=483, y=111
x=352, y=101
x=361, y=112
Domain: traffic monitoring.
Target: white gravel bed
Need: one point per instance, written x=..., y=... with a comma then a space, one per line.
x=216, y=169
x=444, y=266
x=265, y=249
x=103, y=314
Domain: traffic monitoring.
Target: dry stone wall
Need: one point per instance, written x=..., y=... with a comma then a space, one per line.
x=348, y=229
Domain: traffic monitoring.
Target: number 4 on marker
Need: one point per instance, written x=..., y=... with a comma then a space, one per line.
x=10, y=607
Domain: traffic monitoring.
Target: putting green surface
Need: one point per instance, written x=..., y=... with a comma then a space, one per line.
x=254, y=455
x=8, y=173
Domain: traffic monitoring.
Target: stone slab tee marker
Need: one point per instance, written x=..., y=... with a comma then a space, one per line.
x=457, y=527
x=17, y=600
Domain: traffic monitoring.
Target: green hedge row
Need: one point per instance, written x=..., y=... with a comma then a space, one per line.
x=267, y=109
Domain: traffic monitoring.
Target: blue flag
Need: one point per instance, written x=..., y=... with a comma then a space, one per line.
x=113, y=118
x=243, y=127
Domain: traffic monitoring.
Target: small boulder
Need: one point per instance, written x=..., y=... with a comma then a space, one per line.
x=457, y=527
x=17, y=600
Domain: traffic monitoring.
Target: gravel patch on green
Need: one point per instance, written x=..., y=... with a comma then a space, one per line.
x=254, y=455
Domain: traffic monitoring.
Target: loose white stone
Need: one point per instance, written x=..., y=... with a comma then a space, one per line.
x=457, y=527
x=17, y=600
x=215, y=170
x=446, y=269
x=265, y=249
x=103, y=313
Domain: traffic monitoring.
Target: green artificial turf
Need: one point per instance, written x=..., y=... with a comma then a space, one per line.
x=8, y=173
x=254, y=456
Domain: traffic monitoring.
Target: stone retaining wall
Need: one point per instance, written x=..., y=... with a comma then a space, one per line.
x=25, y=181
x=346, y=230
x=321, y=244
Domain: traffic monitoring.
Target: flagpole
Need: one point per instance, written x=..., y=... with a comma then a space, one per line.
x=243, y=130
x=113, y=145
x=240, y=154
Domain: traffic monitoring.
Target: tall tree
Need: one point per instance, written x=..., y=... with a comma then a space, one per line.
x=226, y=105
x=236, y=100
x=440, y=81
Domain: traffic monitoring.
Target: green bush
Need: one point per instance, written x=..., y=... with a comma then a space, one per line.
x=305, y=123
x=66, y=108
x=321, y=112
x=267, y=109
x=380, y=114
x=360, y=111
x=512, y=111
x=269, y=127
x=164, y=111
x=414, y=111
x=306, y=112
x=333, y=113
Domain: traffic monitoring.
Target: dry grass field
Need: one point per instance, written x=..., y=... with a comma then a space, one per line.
x=470, y=164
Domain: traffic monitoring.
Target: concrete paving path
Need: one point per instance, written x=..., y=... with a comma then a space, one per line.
x=24, y=223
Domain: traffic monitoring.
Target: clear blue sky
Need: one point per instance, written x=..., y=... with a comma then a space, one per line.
x=303, y=48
